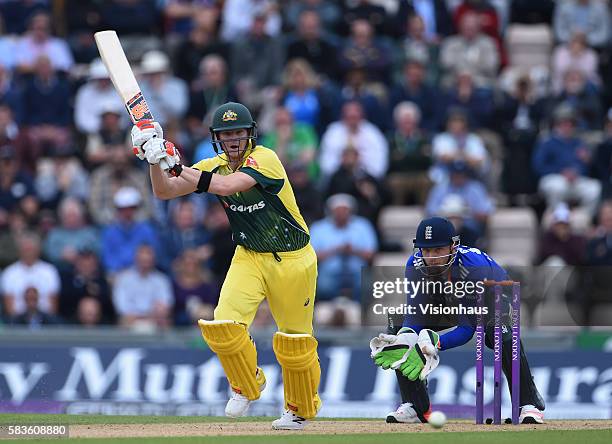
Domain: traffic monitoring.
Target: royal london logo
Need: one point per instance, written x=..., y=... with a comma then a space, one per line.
x=229, y=116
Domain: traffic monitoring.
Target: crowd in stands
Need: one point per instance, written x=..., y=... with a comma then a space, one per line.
x=368, y=103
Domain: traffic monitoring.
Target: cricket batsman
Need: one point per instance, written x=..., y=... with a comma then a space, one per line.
x=413, y=350
x=273, y=259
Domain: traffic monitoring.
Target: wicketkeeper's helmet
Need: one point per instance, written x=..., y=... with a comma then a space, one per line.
x=431, y=233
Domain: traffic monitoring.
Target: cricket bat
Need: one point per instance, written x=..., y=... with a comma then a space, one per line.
x=122, y=76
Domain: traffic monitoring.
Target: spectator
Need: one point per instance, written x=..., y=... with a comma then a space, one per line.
x=63, y=243
x=301, y=95
x=354, y=131
x=142, y=295
x=344, y=243
x=471, y=50
x=435, y=16
x=33, y=317
x=519, y=116
x=16, y=187
x=194, y=296
x=61, y=176
x=166, y=95
x=30, y=271
x=37, y=42
x=589, y=17
x=558, y=245
x=106, y=180
x=95, y=98
x=353, y=180
x=256, y=59
x=181, y=15
x=561, y=161
x=356, y=88
x=363, y=51
x=210, y=90
x=574, y=54
x=329, y=13
x=410, y=157
x=130, y=17
x=221, y=241
x=46, y=107
x=86, y=280
x=10, y=134
x=201, y=42
x=418, y=47
x=490, y=22
x=364, y=11
x=457, y=143
x=310, y=45
x=474, y=195
x=16, y=14
x=89, y=313
x=454, y=208
x=599, y=248
x=11, y=94
x=184, y=234
x=239, y=16
x=8, y=246
x=602, y=162
x=307, y=195
x=476, y=102
x=294, y=142
x=7, y=48
x=111, y=133
x=121, y=239
x=413, y=88
x=583, y=99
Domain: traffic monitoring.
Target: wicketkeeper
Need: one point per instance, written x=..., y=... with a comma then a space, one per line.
x=412, y=348
x=273, y=260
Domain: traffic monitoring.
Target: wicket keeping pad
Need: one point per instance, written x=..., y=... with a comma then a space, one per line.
x=297, y=356
x=236, y=351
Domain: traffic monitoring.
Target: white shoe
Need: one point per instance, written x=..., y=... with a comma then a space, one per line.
x=289, y=421
x=404, y=414
x=531, y=415
x=238, y=404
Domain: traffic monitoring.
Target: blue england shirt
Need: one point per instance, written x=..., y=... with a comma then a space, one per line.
x=470, y=264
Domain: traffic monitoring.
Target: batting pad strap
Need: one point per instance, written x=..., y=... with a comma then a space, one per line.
x=236, y=352
x=297, y=356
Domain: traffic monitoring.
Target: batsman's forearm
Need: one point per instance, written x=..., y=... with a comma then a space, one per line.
x=160, y=182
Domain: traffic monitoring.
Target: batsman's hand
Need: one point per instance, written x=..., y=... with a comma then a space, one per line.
x=423, y=357
x=390, y=351
x=162, y=152
x=142, y=132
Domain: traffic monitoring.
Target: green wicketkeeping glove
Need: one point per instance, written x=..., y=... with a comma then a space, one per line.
x=389, y=351
x=425, y=352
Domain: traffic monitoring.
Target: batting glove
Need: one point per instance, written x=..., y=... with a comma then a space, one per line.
x=142, y=132
x=164, y=153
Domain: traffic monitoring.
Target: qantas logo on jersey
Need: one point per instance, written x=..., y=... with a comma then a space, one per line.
x=250, y=162
x=247, y=208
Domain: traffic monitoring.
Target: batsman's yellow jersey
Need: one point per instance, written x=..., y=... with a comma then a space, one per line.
x=265, y=218
x=274, y=259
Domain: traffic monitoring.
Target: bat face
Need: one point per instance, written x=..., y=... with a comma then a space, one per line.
x=138, y=109
x=121, y=75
